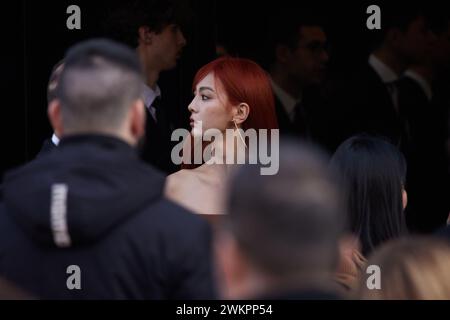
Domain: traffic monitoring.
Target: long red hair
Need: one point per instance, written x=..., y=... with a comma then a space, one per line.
x=243, y=81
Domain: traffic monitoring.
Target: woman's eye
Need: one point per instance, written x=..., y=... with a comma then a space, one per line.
x=204, y=98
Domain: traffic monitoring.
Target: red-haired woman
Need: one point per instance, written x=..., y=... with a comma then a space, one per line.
x=229, y=94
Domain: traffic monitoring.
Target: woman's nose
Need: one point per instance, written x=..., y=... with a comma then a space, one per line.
x=191, y=106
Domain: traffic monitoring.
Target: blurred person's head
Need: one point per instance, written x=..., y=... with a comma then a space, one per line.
x=373, y=172
x=404, y=35
x=155, y=27
x=281, y=232
x=410, y=269
x=99, y=91
x=298, y=47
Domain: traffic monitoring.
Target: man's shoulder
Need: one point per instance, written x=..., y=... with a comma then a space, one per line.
x=170, y=219
x=47, y=146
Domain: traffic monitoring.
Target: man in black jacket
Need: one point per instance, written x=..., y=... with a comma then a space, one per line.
x=88, y=220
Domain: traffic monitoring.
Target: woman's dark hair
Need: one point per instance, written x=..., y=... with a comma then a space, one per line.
x=373, y=171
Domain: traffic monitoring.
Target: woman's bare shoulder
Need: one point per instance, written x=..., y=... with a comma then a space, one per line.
x=177, y=181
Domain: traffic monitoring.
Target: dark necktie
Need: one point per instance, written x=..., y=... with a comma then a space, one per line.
x=156, y=104
x=300, y=121
x=404, y=117
x=393, y=92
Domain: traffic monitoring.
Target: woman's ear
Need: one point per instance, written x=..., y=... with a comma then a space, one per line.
x=55, y=117
x=241, y=113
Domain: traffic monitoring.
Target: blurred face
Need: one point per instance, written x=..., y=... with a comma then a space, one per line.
x=210, y=106
x=168, y=46
x=307, y=63
x=414, y=43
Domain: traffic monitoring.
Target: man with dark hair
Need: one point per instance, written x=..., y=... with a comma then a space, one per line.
x=155, y=29
x=297, y=66
x=280, y=240
x=88, y=220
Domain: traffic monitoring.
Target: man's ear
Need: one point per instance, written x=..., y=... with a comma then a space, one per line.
x=282, y=53
x=241, y=113
x=137, y=119
x=55, y=116
x=145, y=35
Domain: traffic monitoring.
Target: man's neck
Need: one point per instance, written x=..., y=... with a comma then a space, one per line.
x=150, y=69
x=257, y=285
x=391, y=60
x=232, y=149
x=121, y=134
x=151, y=78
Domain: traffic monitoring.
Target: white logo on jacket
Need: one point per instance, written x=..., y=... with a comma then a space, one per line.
x=58, y=215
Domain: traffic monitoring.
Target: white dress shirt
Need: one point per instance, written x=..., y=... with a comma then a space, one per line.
x=149, y=96
x=55, y=140
x=288, y=101
x=387, y=75
x=426, y=87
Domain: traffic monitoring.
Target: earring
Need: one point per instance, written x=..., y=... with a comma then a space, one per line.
x=239, y=132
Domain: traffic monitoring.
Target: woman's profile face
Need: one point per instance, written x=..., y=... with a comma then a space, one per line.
x=210, y=107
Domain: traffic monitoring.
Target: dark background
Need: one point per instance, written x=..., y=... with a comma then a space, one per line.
x=34, y=37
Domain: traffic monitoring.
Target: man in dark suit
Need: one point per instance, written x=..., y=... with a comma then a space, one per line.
x=423, y=107
x=89, y=220
x=280, y=240
x=154, y=28
x=297, y=67
x=423, y=144
x=367, y=100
